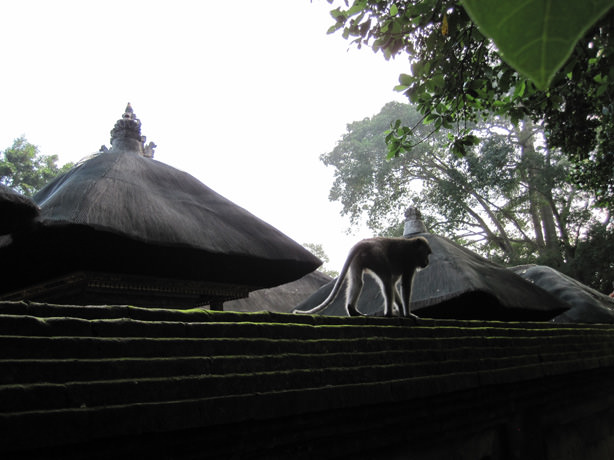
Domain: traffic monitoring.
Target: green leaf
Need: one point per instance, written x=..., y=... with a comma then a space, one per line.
x=536, y=37
x=405, y=79
x=519, y=89
x=334, y=28
x=357, y=7
x=436, y=82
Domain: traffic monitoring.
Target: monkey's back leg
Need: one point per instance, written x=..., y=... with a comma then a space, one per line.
x=353, y=290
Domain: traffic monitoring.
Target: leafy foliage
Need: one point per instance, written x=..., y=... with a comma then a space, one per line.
x=535, y=37
x=458, y=79
x=25, y=170
x=508, y=197
x=366, y=183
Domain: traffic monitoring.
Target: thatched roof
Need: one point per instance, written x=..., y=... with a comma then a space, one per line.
x=456, y=284
x=280, y=299
x=150, y=203
x=123, y=212
x=16, y=211
x=587, y=304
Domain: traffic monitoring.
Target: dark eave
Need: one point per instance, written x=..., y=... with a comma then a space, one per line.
x=17, y=212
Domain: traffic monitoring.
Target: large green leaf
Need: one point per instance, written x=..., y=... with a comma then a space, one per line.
x=536, y=37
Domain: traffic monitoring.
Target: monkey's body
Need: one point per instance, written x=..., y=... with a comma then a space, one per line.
x=389, y=260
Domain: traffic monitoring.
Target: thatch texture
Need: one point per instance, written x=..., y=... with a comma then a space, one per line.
x=280, y=299
x=457, y=284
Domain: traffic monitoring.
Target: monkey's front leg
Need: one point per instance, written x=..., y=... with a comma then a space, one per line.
x=406, y=285
x=399, y=301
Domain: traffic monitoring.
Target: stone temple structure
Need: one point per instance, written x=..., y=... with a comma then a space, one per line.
x=121, y=227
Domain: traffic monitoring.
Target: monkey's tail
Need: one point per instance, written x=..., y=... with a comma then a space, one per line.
x=333, y=294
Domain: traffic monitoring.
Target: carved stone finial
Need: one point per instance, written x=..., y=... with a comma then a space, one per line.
x=128, y=127
x=129, y=112
x=413, y=222
x=126, y=134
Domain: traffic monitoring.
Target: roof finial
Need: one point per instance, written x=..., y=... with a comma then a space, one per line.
x=413, y=222
x=128, y=113
x=126, y=134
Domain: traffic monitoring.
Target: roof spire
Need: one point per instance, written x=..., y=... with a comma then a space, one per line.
x=129, y=113
x=413, y=222
x=126, y=135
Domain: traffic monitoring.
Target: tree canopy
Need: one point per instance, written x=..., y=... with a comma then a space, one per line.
x=25, y=169
x=458, y=77
x=508, y=197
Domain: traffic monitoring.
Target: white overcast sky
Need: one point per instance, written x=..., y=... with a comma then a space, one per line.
x=244, y=95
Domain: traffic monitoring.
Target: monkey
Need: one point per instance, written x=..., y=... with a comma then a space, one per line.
x=388, y=260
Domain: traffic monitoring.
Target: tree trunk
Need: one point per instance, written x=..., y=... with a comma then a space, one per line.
x=542, y=215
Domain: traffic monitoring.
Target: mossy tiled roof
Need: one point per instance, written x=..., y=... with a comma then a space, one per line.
x=72, y=375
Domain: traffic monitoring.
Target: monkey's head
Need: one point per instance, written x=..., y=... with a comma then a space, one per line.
x=423, y=250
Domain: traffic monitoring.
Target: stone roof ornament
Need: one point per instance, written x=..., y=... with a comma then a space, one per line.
x=126, y=135
x=413, y=222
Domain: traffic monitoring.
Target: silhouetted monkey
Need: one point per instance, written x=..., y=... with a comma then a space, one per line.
x=388, y=260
